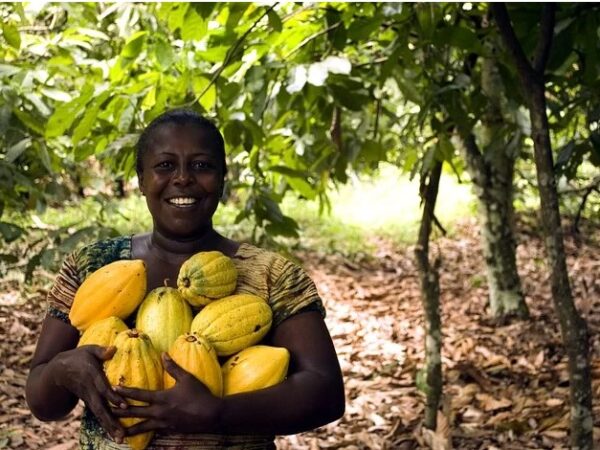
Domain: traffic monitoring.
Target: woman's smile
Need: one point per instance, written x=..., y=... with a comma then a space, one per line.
x=182, y=202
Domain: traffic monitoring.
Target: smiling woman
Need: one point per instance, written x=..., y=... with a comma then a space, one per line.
x=181, y=169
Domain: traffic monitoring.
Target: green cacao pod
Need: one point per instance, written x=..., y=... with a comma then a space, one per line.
x=206, y=276
x=233, y=323
x=194, y=354
x=164, y=315
x=256, y=367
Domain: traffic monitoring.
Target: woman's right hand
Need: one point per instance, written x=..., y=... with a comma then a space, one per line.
x=80, y=371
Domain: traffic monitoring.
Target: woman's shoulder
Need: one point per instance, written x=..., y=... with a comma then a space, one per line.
x=101, y=252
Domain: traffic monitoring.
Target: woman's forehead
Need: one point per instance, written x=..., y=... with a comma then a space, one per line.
x=172, y=135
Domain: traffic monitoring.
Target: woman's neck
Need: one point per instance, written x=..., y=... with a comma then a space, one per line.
x=164, y=245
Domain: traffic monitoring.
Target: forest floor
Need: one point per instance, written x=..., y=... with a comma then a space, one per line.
x=506, y=386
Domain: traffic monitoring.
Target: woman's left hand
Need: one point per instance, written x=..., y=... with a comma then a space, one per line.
x=187, y=407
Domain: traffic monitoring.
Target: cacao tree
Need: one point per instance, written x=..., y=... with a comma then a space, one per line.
x=531, y=74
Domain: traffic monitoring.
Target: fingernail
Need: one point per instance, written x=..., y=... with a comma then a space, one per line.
x=123, y=405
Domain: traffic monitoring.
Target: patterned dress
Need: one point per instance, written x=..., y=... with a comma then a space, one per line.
x=287, y=287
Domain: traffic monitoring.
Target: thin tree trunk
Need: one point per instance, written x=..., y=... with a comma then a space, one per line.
x=430, y=296
x=493, y=181
x=573, y=326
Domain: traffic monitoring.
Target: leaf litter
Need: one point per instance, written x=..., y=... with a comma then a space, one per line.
x=505, y=386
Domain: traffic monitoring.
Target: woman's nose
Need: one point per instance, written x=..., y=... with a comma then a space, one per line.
x=183, y=176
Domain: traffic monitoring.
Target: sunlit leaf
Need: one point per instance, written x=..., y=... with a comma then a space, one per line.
x=11, y=35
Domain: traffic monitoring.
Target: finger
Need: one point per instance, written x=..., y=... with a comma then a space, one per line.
x=173, y=368
x=106, y=420
x=144, y=427
x=100, y=352
x=143, y=412
x=106, y=391
x=142, y=395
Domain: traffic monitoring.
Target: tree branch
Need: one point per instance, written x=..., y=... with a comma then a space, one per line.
x=311, y=37
x=524, y=68
x=542, y=49
x=231, y=52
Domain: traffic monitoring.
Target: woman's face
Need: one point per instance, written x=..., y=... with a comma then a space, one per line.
x=182, y=179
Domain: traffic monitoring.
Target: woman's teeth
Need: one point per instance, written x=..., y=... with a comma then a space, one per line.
x=182, y=201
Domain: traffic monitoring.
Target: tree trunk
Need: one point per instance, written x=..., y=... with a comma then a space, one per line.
x=573, y=327
x=430, y=296
x=491, y=171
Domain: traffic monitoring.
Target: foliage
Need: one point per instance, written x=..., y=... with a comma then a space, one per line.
x=305, y=94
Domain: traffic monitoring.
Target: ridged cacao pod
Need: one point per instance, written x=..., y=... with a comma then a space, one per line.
x=116, y=289
x=194, y=354
x=164, y=315
x=135, y=364
x=254, y=368
x=233, y=323
x=102, y=332
x=206, y=276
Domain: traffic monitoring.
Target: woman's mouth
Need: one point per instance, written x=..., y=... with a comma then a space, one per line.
x=182, y=202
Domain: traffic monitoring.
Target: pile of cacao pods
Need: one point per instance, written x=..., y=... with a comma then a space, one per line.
x=196, y=323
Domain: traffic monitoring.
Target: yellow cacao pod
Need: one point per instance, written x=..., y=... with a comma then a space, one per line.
x=164, y=315
x=206, y=276
x=254, y=368
x=135, y=364
x=116, y=289
x=194, y=354
x=233, y=323
x=102, y=332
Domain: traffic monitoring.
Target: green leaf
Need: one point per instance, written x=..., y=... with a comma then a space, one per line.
x=565, y=154
x=275, y=21
x=64, y=115
x=164, y=54
x=215, y=54
x=16, y=150
x=133, y=45
x=427, y=17
x=30, y=121
x=32, y=264
x=6, y=70
x=200, y=85
x=194, y=28
x=355, y=100
x=10, y=231
x=45, y=158
x=85, y=125
x=80, y=236
x=361, y=29
x=459, y=37
x=177, y=15
x=205, y=8
x=287, y=227
x=126, y=116
x=11, y=35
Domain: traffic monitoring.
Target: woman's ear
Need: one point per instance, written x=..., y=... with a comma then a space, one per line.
x=140, y=176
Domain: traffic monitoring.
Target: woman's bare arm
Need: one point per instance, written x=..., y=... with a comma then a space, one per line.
x=61, y=374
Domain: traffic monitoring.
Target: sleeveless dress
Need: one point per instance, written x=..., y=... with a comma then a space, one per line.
x=286, y=286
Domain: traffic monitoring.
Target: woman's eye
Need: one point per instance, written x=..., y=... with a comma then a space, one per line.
x=164, y=165
x=201, y=165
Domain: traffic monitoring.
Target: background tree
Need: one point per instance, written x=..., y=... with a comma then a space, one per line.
x=573, y=327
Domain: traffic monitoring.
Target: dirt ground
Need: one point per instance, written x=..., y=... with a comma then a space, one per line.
x=506, y=387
